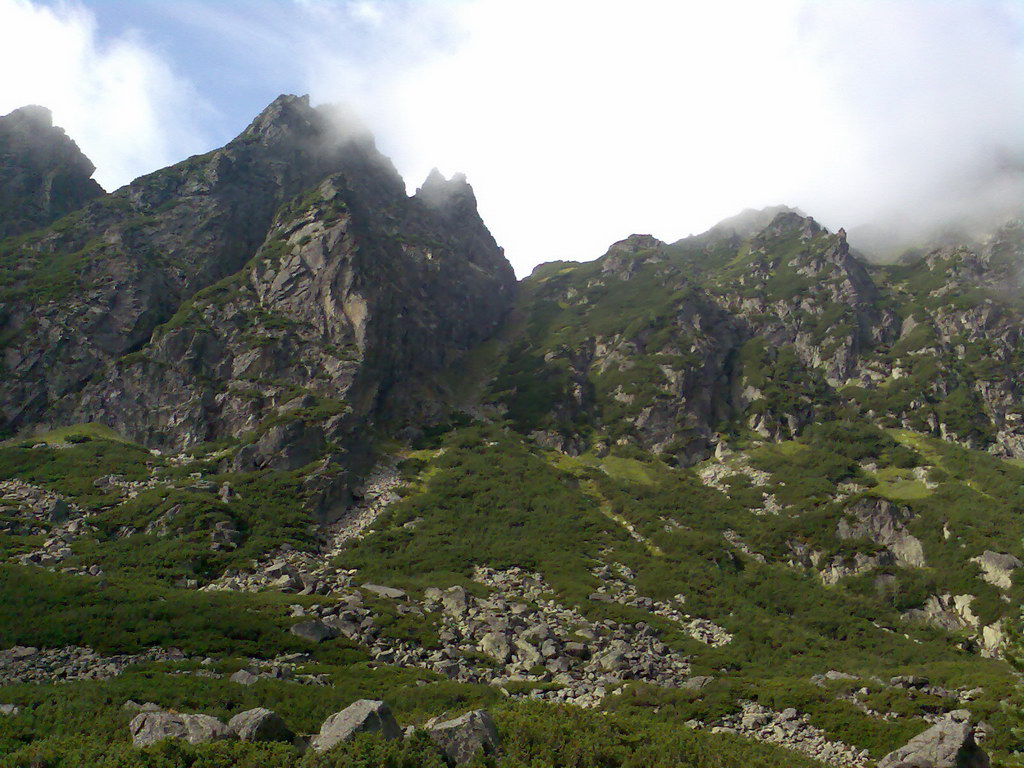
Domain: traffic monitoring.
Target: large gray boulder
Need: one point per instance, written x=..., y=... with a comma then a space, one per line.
x=465, y=736
x=947, y=744
x=260, y=724
x=314, y=630
x=364, y=716
x=150, y=727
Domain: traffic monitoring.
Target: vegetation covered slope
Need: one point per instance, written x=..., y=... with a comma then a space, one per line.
x=739, y=499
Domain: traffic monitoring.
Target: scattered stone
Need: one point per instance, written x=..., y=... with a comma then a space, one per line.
x=620, y=590
x=530, y=636
x=791, y=730
x=9, y=709
x=465, y=736
x=379, y=490
x=363, y=716
x=56, y=665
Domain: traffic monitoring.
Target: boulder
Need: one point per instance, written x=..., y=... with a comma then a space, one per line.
x=314, y=630
x=344, y=627
x=465, y=736
x=56, y=510
x=364, y=716
x=529, y=655
x=150, y=727
x=9, y=709
x=260, y=724
x=697, y=683
x=947, y=744
x=455, y=600
x=496, y=645
x=243, y=677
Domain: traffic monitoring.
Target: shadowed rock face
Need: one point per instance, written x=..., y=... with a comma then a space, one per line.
x=43, y=173
x=352, y=288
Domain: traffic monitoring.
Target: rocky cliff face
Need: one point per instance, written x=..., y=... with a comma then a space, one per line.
x=770, y=327
x=43, y=174
x=320, y=276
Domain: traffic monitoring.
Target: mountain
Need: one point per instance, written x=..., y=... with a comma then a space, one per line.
x=281, y=435
x=45, y=175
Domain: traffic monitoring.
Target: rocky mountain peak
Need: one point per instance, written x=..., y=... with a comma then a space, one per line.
x=286, y=117
x=790, y=222
x=634, y=244
x=324, y=139
x=31, y=117
x=454, y=194
x=43, y=173
x=625, y=256
x=210, y=215
x=749, y=222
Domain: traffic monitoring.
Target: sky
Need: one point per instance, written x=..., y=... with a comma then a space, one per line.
x=578, y=122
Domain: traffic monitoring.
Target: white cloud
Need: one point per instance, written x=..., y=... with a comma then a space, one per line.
x=126, y=108
x=580, y=121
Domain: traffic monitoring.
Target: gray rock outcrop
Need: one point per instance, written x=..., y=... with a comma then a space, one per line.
x=997, y=568
x=883, y=522
x=43, y=173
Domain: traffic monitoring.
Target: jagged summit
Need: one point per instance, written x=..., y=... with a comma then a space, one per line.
x=43, y=173
x=295, y=168
x=749, y=222
x=634, y=244
x=286, y=116
x=454, y=194
x=790, y=222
